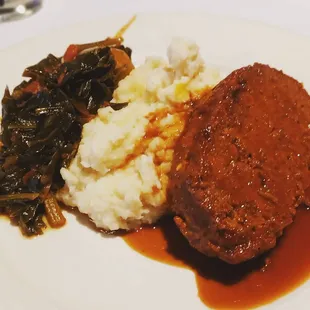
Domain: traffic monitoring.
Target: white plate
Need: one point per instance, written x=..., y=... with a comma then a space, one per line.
x=94, y=272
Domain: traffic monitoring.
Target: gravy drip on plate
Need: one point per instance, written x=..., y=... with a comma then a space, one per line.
x=223, y=286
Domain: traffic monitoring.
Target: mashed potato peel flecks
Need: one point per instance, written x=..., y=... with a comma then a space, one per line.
x=120, y=174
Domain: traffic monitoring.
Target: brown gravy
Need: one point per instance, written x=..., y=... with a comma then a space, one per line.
x=224, y=286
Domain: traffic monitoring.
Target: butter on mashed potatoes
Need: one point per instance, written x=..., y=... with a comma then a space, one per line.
x=119, y=176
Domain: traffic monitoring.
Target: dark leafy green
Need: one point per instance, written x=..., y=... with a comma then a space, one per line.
x=41, y=129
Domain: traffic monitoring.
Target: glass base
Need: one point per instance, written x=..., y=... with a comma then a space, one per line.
x=18, y=9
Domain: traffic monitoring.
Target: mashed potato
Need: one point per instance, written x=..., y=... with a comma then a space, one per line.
x=119, y=176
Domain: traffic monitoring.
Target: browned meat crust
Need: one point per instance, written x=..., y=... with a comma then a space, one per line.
x=242, y=165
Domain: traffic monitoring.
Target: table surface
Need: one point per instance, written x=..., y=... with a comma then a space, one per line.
x=291, y=14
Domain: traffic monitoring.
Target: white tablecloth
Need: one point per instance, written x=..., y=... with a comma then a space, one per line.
x=292, y=14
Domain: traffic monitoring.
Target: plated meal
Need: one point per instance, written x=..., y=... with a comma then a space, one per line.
x=191, y=166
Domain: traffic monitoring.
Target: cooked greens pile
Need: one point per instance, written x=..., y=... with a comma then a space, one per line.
x=41, y=127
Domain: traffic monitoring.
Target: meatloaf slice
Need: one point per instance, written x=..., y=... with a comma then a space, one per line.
x=242, y=164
